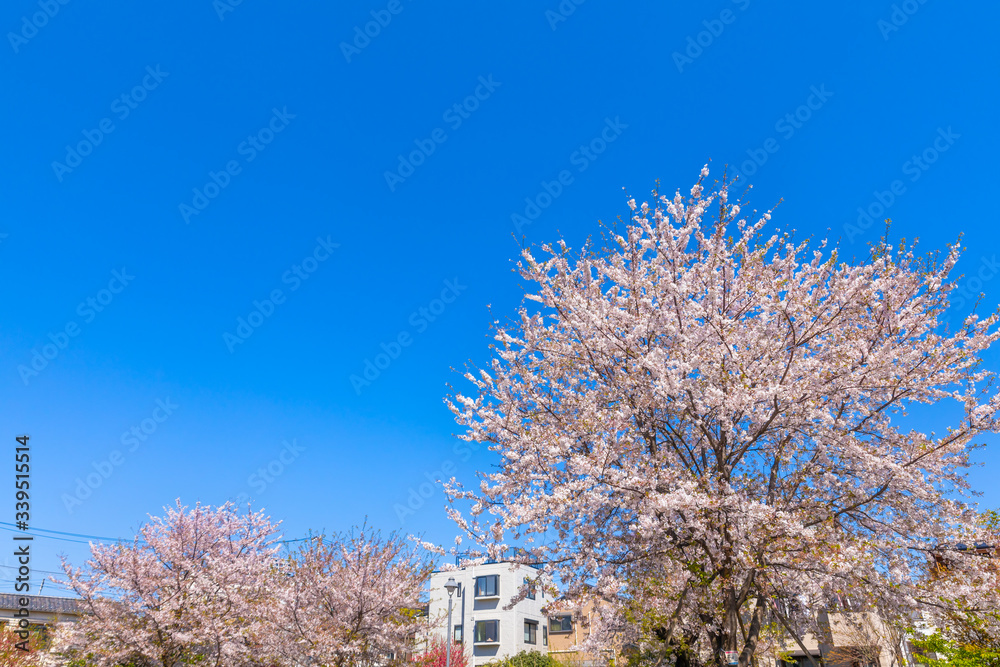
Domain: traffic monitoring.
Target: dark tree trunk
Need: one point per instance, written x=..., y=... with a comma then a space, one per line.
x=753, y=633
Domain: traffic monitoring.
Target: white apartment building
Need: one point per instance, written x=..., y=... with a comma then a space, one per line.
x=484, y=629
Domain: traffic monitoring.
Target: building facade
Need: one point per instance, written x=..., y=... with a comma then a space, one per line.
x=848, y=639
x=481, y=624
x=43, y=612
x=568, y=630
x=42, y=609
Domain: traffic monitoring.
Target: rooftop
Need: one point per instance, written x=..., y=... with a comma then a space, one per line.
x=41, y=603
x=492, y=561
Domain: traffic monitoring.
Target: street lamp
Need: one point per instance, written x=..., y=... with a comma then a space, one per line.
x=451, y=587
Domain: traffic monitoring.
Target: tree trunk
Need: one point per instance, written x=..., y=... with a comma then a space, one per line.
x=753, y=633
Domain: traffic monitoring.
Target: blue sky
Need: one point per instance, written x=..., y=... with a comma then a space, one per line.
x=218, y=155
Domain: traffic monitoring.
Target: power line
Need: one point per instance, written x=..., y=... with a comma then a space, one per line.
x=48, y=537
x=51, y=585
x=34, y=532
x=14, y=567
x=62, y=532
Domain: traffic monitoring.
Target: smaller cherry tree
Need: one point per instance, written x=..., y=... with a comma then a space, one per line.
x=354, y=599
x=195, y=586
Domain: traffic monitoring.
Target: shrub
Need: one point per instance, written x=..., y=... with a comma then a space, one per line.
x=526, y=659
x=436, y=655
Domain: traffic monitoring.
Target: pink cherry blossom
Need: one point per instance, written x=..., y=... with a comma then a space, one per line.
x=354, y=599
x=715, y=420
x=198, y=584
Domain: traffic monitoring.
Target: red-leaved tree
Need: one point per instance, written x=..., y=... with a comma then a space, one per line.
x=14, y=656
x=436, y=655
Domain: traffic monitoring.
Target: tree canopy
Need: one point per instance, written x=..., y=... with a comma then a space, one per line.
x=725, y=412
x=208, y=585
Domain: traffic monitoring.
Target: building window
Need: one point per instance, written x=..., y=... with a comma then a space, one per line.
x=488, y=587
x=562, y=623
x=487, y=632
x=458, y=634
x=531, y=588
x=531, y=632
x=545, y=635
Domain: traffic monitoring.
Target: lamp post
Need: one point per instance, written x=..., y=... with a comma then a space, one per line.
x=450, y=586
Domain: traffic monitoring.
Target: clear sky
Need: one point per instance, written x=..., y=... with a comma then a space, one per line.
x=167, y=166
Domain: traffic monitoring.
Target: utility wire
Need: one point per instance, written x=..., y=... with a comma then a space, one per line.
x=34, y=532
x=61, y=532
x=14, y=567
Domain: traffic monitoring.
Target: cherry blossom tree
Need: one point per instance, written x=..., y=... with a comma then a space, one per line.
x=195, y=586
x=355, y=599
x=727, y=408
x=207, y=586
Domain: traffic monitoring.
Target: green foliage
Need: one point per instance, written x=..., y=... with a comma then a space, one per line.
x=678, y=653
x=526, y=659
x=955, y=654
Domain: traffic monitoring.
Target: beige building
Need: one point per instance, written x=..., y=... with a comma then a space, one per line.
x=849, y=639
x=567, y=630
